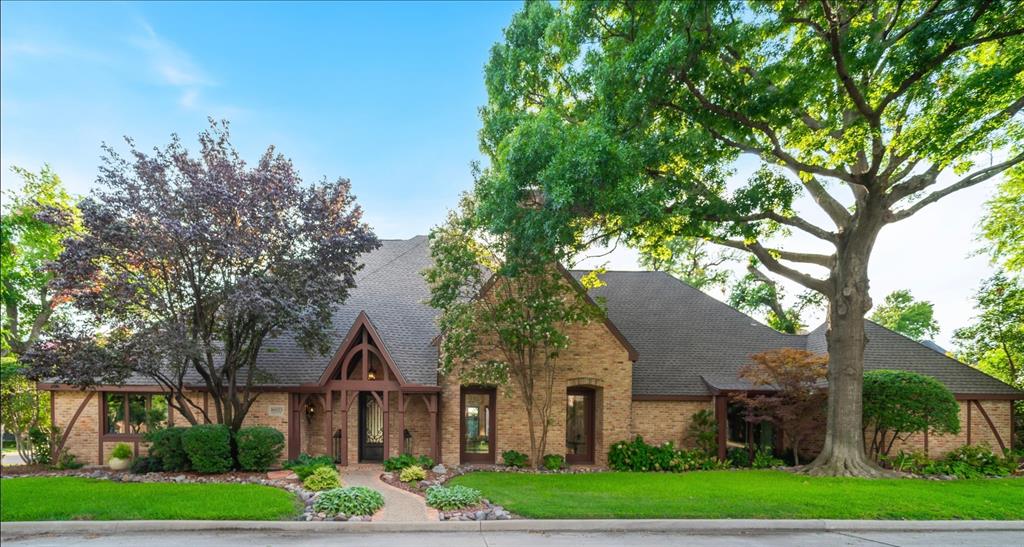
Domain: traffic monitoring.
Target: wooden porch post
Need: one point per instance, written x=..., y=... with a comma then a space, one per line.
x=401, y=422
x=344, y=428
x=329, y=421
x=435, y=441
x=720, y=416
x=387, y=426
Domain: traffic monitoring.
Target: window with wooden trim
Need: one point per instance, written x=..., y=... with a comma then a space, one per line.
x=133, y=414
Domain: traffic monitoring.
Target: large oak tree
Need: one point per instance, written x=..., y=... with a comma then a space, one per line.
x=629, y=116
x=190, y=262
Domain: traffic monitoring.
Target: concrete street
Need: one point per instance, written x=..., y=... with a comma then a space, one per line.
x=511, y=538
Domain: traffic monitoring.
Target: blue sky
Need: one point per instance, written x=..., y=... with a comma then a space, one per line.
x=385, y=94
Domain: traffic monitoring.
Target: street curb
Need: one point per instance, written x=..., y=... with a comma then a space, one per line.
x=693, y=527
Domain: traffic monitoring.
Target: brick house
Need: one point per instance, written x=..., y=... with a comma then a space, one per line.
x=666, y=351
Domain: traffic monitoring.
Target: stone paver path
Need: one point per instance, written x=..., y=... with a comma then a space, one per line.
x=399, y=505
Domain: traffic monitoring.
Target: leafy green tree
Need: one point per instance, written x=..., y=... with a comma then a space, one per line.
x=994, y=342
x=628, y=117
x=22, y=407
x=693, y=260
x=36, y=220
x=504, y=322
x=898, y=404
x=912, y=318
x=1002, y=229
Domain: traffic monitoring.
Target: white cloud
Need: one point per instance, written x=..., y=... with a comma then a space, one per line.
x=172, y=66
x=188, y=98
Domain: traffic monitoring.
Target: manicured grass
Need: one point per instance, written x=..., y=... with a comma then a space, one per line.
x=69, y=498
x=746, y=494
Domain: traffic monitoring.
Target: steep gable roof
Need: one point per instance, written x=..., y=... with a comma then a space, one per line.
x=391, y=290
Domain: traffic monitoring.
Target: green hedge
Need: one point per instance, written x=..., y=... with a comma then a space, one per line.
x=208, y=447
x=259, y=447
x=636, y=455
x=166, y=444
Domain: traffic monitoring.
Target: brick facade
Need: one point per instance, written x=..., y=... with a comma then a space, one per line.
x=662, y=421
x=595, y=359
x=617, y=417
x=977, y=429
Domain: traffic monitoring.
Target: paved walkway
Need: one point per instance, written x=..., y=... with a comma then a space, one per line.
x=399, y=505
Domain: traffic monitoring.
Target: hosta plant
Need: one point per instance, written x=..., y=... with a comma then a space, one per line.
x=353, y=500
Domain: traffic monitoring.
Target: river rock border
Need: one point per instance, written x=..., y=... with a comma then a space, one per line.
x=307, y=497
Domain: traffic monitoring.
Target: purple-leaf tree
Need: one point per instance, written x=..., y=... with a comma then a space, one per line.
x=188, y=263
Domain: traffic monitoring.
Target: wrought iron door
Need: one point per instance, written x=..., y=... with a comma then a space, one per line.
x=371, y=428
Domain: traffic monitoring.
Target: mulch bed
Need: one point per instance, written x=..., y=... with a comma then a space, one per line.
x=24, y=469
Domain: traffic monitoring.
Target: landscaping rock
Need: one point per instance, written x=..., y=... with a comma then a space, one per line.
x=440, y=469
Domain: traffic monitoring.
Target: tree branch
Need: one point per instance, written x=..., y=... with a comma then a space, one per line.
x=966, y=182
x=773, y=265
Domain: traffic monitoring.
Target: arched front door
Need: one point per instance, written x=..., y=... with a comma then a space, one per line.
x=371, y=428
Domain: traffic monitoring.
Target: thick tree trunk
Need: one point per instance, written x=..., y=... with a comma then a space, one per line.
x=843, y=451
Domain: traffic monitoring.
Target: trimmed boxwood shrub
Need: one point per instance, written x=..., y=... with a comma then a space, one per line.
x=447, y=498
x=513, y=458
x=147, y=464
x=323, y=478
x=259, y=447
x=208, y=447
x=305, y=465
x=353, y=500
x=166, y=444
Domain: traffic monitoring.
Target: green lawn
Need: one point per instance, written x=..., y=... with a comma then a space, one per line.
x=68, y=498
x=746, y=494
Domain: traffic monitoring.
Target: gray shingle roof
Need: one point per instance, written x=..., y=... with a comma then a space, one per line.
x=686, y=340
x=680, y=333
x=392, y=292
x=890, y=350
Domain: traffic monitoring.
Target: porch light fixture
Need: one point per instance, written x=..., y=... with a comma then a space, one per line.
x=371, y=375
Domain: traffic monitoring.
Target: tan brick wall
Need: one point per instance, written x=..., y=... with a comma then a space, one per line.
x=661, y=421
x=84, y=436
x=83, y=440
x=980, y=431
x=595, y=359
